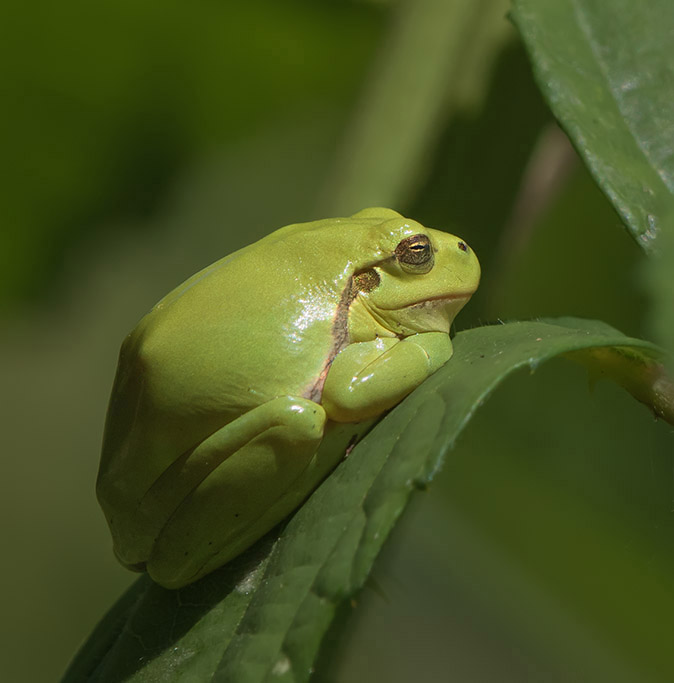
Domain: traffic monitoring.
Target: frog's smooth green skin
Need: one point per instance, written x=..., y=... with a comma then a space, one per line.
x=224, y=391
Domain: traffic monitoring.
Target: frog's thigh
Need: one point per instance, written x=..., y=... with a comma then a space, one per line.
x=368, y=378
x=243, y=496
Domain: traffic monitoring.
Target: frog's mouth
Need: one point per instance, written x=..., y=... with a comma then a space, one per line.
x=440, y=300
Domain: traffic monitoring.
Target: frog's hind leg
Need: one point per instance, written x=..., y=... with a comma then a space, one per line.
x=242, y=480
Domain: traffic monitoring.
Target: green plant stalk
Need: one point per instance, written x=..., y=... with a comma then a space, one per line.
x=435, y=58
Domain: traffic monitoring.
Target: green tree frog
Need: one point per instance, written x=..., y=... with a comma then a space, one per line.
x=226, y=389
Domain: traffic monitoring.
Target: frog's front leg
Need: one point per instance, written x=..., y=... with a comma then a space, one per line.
x=367, y=378
x=234, y=487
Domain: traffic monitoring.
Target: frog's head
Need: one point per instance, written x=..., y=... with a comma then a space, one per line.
x=418, y=280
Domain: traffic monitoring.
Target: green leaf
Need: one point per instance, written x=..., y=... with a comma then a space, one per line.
x=607, y=72
x=262, y=617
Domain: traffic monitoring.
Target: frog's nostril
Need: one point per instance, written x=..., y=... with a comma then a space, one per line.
x=462, y=245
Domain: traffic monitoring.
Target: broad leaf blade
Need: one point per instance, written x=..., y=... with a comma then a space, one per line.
x=607, y=72
x=262, y=617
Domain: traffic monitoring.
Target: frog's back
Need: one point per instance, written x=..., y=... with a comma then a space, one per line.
x=246, y=329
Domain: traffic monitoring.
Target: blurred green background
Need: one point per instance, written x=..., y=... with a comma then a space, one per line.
x=143, y=141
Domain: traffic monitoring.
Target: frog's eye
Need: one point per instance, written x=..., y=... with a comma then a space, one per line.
x=415, y=254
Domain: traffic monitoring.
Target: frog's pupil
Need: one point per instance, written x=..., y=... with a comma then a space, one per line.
x=463, y=246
